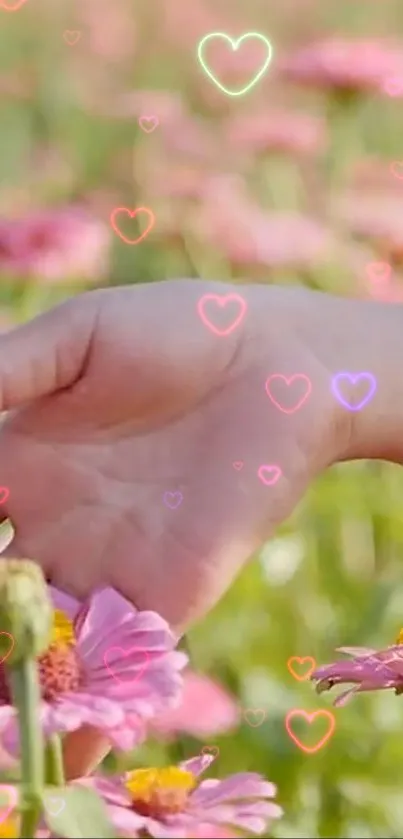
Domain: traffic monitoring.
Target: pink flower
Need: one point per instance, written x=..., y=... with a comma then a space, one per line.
x=278, y=131
x=112, y=667
x=110, y=28
x=367, y=669
x=245, y=235
x=209, y=831
x=356, y=65
x=172, y=804
x=186, y=23
x=371, y=174
x=55, y=245
x=205, y=710
x=190, y=138
x=376, y=217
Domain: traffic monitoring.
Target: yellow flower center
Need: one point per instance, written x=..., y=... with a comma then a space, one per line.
x=63, y=631
x=399, y=639
x=59, y=667
x=9, y=828
x=160, y=792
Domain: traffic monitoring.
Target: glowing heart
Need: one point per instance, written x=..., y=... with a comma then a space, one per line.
x=288, y=393
x=238, y=464
x=5, y=657
x=11, y=5
x=173, y=499
x=71, y=37
x=115, y=664
x=353, y=379
x=55, y=806
x=301, y=661
x=234, y=305
x=310, y=718
x=4, y=494
x=12, y=795
x=132, y=213
x=254, y=716
x=148, y=124
x=210, y=750
x=396, y=167
x=269, y=474
x=235, y=43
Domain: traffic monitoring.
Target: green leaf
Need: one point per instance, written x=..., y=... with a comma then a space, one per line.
x=76, y=812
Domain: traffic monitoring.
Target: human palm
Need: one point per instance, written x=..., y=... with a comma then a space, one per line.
x=128, y=415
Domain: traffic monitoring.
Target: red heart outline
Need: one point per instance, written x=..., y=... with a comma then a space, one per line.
x=132, y=214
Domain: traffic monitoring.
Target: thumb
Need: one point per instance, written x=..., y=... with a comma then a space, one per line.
x=48, y=353
x=83, y=751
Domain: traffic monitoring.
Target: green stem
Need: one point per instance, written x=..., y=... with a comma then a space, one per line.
x=54, y=769
x=26, y=698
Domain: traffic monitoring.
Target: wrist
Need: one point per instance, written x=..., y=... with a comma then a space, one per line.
x=355, y=336
x=344, y=336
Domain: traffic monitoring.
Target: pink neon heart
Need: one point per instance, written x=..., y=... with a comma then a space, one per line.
x=269, y=475
x=221, y=302
x=122, y=678
x=4, y=494
x=290, y=382
x=13, y=796
x=396, y=167
x=237, y=464
x=132, y=213
x=310, y=717
x=152, y=121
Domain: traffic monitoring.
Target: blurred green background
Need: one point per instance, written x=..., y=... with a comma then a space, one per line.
x=70, y=137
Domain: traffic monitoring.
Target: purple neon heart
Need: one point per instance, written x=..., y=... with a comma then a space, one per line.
x=173, y=499
x=353, y=378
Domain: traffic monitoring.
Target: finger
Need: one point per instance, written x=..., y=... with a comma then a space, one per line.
x=48, y=353
x=83, y=751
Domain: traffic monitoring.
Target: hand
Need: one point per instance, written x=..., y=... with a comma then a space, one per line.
x=123, y=395
x=120, y=396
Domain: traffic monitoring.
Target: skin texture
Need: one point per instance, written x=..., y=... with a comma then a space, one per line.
x=121, y=395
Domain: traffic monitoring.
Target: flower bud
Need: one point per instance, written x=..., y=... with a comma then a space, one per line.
x=26, y=612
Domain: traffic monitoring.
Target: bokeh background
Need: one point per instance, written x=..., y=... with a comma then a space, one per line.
x=298, y=181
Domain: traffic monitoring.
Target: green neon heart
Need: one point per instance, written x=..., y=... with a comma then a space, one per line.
x=235, y=43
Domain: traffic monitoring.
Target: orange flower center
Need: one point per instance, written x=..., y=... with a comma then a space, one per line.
x=399, y=639
x=9, y=828
x=159, y=792
x=59, y=667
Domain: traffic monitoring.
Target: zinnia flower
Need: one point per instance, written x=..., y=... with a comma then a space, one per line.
x=55, y=245
x=112, y=667
x=279, y=131
x=376, y=217
x=367, y=669
x=230, y=222
x=171, y=803
x=339, y=64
